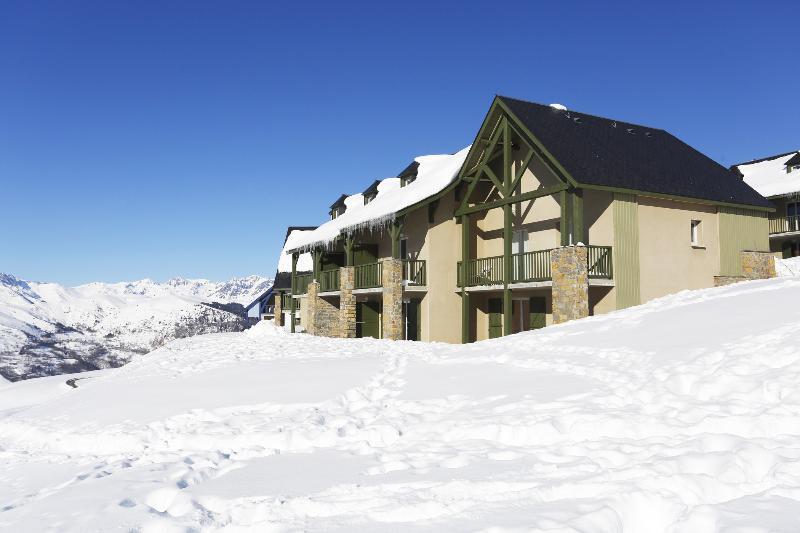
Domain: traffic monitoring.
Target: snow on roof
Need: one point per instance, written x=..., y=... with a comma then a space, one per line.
x=304, y=262
x=434, y=174
x=769, y=176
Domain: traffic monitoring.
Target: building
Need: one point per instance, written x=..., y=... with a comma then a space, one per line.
x=287, y=310
x=550, y=215
x=778, y=178
x=264, y=305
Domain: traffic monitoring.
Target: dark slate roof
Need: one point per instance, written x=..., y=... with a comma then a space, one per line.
x=339, y=202
x=283, y=280
x=752, y=161
x=795, y=159
x=372, y=189
x=606, y=152
x=410, y=170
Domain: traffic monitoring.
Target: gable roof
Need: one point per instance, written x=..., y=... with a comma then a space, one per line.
x=768, y=175
x=372, y=189
x=339, y=201
x=611, y=153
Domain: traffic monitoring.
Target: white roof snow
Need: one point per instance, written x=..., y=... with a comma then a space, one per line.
x=769, y=177
x=435, y=172
x=304, y=262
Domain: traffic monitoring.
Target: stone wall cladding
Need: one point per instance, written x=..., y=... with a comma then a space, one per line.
x=721, y=281
x=758, y=265
x=278, y=310
x=347, y=302
x=392, y=281
x=323, y=315
x=569, y=266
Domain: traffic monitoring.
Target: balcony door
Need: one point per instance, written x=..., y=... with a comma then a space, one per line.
x=792, y=216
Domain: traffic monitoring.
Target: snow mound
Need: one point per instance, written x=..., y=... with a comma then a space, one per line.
x=787, y=267
x=679, y=415
x=560, y=107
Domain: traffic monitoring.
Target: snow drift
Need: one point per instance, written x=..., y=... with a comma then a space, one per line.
x=680, y=415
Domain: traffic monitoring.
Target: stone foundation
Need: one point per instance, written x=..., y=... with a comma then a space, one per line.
x=569, y=266
x=278, y=310
x=347, y=302
x=392, y=316
x=758, y=265
x=323, y=316
x=721, y=281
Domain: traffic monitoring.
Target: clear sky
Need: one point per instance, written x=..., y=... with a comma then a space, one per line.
x=160, y=139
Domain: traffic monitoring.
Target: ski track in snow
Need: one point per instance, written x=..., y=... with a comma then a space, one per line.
x=681, y=415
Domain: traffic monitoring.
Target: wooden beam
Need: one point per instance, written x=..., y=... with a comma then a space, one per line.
x=538, y=193
x=349, y=245
x=464, y=294
x=495, y=180
x=395, y=230
x=507, y=179
x=578, y=234
x=565, y=227
x=293, y=304
x=521, y=171
x=507, y=269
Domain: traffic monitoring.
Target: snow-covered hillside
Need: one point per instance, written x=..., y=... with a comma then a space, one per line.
x=46, y=328
x=681, y=415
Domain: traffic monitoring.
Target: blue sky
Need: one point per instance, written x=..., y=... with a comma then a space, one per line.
x=160, y=139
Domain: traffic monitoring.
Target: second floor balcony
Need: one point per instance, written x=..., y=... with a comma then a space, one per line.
x=528, y=267
x=787, y=224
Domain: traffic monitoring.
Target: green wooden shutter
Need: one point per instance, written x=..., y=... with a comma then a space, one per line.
x=538, y=312
x=495, y=318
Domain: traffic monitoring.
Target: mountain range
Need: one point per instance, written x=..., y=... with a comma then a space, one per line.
x=47, y=328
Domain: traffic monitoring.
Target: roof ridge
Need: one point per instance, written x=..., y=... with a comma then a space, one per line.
x=568, y=110
x=753, y=161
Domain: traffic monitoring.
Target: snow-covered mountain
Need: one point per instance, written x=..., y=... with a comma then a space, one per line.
x=46, y=328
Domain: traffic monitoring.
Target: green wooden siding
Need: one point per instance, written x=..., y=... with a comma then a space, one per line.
x=538, y=312
x=626, y=250
x=495, y=318
x=740, y=229
x=367, y=319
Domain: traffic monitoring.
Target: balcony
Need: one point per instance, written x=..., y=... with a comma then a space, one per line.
x=301, y=282
x=528, y=267
x=784, y=224
x=368, y=276
x=329, y=280
x=414, y=272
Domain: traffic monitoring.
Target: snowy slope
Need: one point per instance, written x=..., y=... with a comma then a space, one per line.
x=46, y=328
x=681, y=415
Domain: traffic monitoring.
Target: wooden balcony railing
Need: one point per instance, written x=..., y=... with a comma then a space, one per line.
x=368, y=276
x=529, y=267
x=285, y=301
x=329, y=280
x=601, y=264
x=301, y=282
x=784, y=224
x=414, y=272
x=485, y=271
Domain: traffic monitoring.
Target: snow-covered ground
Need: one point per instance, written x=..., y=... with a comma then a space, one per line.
x=46, y=328
x=681, y=415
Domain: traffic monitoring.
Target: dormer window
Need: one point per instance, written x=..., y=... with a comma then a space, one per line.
x=338, y=208
x=793, y=163
x=409, y=174
x=371, y=192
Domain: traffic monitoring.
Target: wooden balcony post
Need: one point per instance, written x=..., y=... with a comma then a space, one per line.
x=578, y=234
x=464, y=294
x=293, y=304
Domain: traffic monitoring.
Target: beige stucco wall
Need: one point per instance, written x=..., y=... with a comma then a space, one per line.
x=668, y=262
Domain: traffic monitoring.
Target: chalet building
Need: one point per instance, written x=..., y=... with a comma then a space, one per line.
x=550, y=215
x=778, y=178
x=287, y=310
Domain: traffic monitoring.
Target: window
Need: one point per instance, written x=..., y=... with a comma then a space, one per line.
x=368, y=198
x=405, y=180
x=695, y=232
x=403, y=248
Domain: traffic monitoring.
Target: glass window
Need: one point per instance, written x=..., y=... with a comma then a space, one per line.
x=695, y=232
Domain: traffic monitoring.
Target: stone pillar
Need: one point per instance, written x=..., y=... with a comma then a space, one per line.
x=311, y=307
x=392, y=281
x=323, y=316
x=758, y=265
x=278, y=309
x=347, y=302
x=569, y=266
